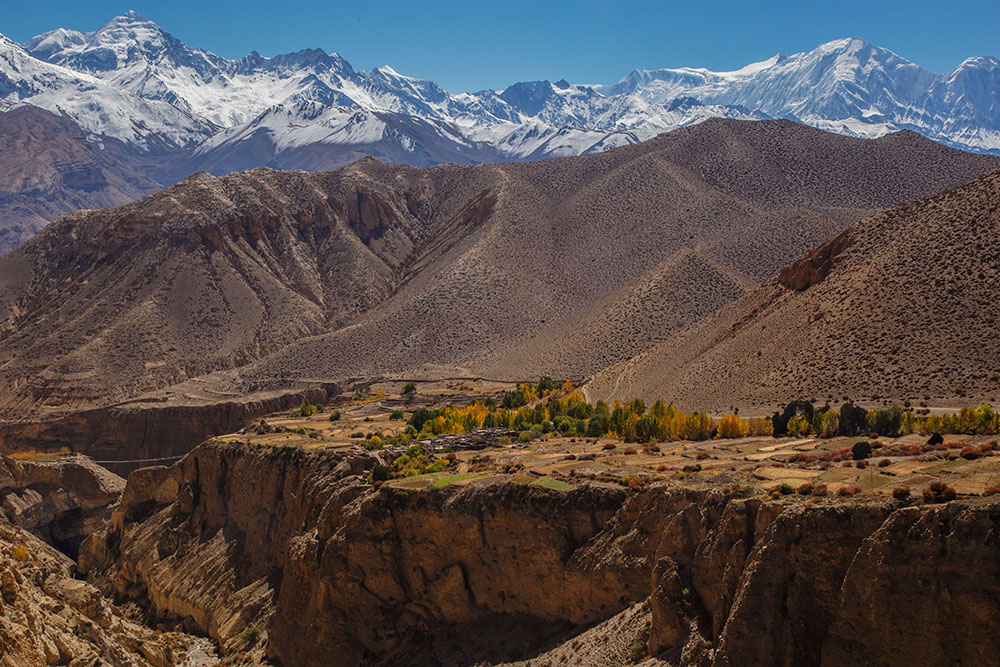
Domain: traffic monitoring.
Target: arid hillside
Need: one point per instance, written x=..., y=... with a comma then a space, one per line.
x=901, y=306
x=48, y=167
x=218, y=287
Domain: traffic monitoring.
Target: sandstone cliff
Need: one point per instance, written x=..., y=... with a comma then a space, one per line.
x=297, y=544
x=61, y=500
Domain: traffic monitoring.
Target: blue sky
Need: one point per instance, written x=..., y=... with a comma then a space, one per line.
x=472, y=45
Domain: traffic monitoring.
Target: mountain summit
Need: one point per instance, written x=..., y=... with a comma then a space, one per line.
x=848, y=86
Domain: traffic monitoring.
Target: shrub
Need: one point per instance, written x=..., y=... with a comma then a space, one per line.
x=701, y=456
x=806, y=489
x=251, y=635
x=629, y=451
x=970, y=453
x=335, y=416
x=380, y=472
x=409, y=390
x=884, y=463
x=819, y=490
x=738, y=490
x=608, y=445
x=901, y=492
x=861, y=465
x=991, y=491
x=785, y=489
x=848, y=491
x=357, y=434
x=396, y=415
x=307, y=409
x=938, y=492
x=20, y=554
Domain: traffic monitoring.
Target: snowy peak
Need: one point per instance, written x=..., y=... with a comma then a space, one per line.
x=132, y=80
x=122, y=42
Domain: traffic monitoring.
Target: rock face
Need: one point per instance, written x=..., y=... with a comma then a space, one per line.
x=62, y=500
x=143, y=431
x=814, y=267
x=49, y=618
x=297, y=544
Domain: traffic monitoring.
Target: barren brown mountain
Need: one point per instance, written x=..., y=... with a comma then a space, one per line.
x=48, y=167
x=901, y=306
x=258, y=281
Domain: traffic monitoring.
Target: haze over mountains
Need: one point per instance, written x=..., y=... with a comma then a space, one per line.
x=265, y=280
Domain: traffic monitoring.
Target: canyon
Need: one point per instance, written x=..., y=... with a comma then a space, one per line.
x=334, y=572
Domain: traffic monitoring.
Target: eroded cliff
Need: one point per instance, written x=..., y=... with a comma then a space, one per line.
x=298, y=544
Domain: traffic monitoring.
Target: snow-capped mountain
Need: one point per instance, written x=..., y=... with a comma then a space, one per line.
x=133, y=81
x=96, y=106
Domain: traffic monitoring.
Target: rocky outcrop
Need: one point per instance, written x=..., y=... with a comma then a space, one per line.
x=61, y=500
x=49, y=618
x=922, y=589
x=299, y=544
x=231, y=511
x=815, y=266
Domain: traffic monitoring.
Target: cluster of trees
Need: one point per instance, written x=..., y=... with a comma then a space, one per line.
x=550, y=407
x=547, y=407
x=983, y=420
x=529, y=393
x=801, y=418
x=416, y=461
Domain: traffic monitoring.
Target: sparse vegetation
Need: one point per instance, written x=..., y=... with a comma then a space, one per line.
x=938, y=492
x=251, y=635
x=306, y=409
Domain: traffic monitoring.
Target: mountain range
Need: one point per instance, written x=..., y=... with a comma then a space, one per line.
x=165, y=110
x=262, y=281
x=133, y=81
